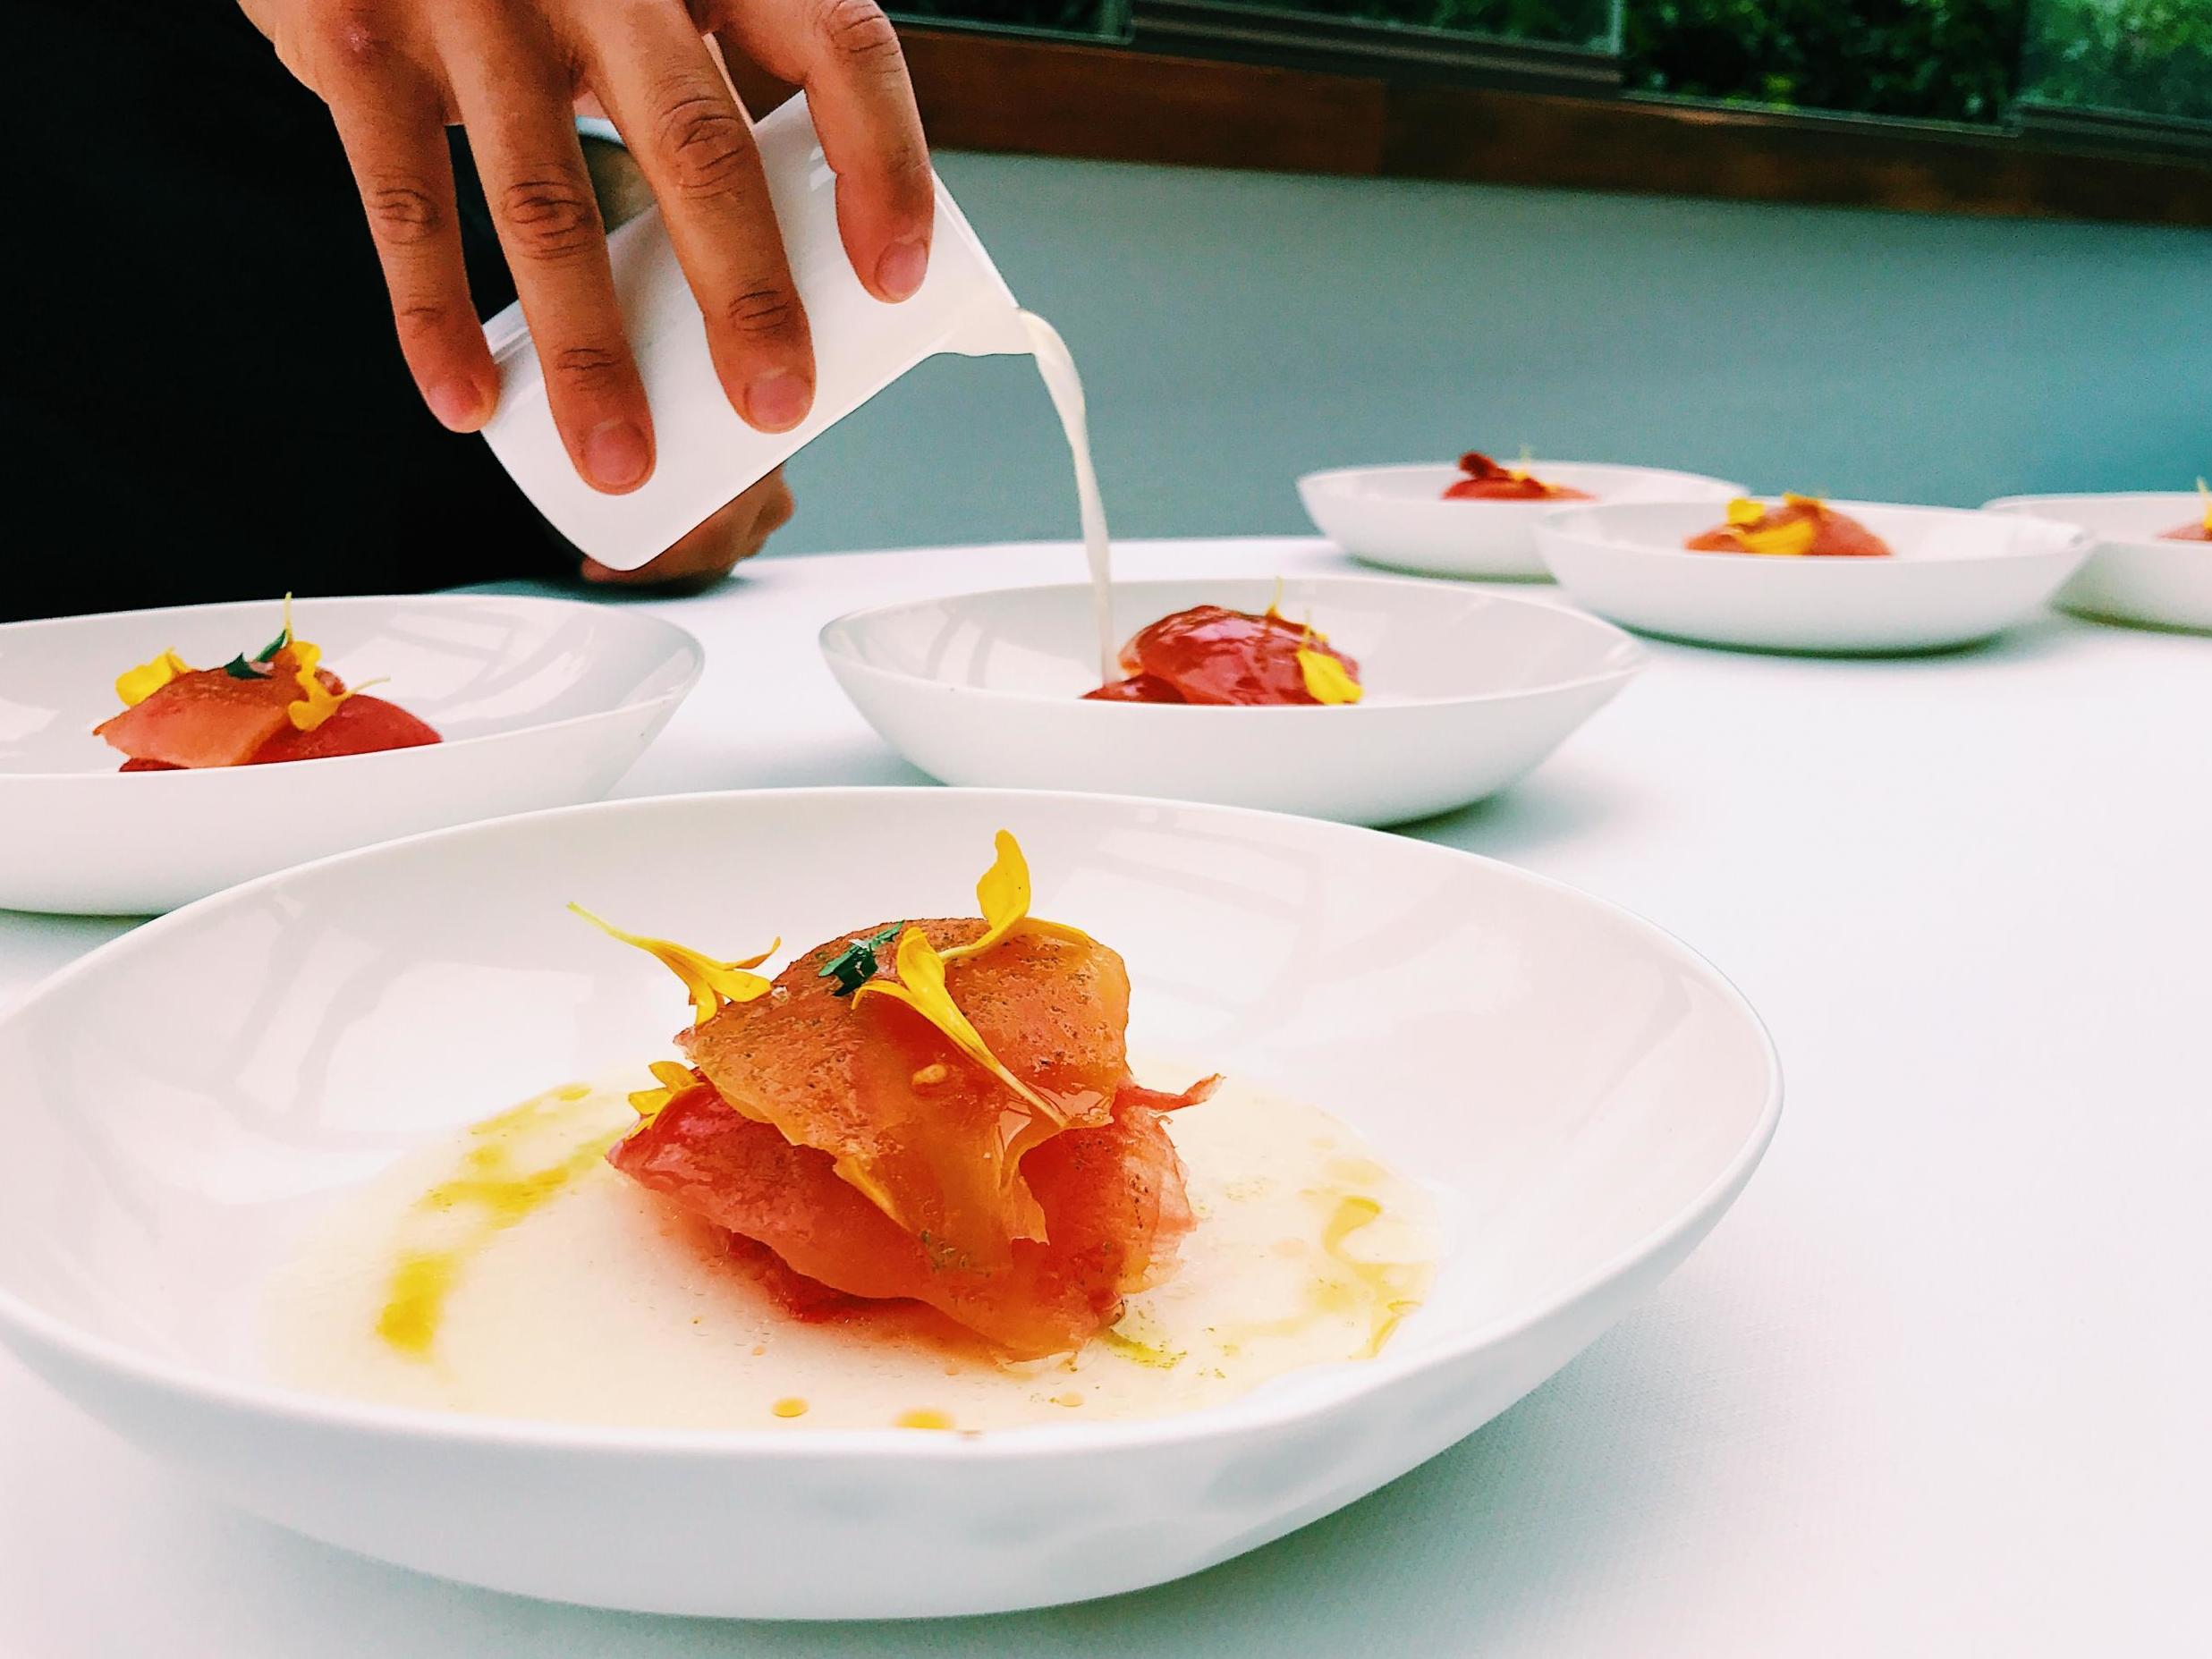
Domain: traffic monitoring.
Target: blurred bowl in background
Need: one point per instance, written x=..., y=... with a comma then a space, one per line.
x=1397, y=517
x=539, y=703
x=1466, y=691
x=2130, y=576
x=1957, y=577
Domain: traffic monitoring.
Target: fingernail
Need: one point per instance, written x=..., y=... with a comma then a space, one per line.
x=900, y=271
x=777, y=400
x=455, y=404
x=616, y=455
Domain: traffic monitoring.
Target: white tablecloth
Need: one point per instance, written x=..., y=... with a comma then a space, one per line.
x=1937, y=1385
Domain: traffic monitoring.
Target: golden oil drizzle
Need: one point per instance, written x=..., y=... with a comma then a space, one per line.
x=490, y=1194
x=923, y=1419
x=791, y=1405
x=1391, y=1287
x=1138, y=1338
x=1349, y=1287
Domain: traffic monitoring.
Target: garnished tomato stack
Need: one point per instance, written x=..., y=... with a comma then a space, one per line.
x=1487, y=480
x=1800, y=527
x=1211, y=655
x=280, y=704
x=939, y=1110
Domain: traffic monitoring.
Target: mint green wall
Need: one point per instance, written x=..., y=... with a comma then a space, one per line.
x=1237, y=329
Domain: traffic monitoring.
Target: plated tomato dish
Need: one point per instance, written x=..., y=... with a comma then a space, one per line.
x=1798, y=526
x=911, y=1179
x=279, y=703
x=1484, y=479
x=1208, y=653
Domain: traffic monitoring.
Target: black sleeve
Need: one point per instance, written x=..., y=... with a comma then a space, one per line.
x=207, y=399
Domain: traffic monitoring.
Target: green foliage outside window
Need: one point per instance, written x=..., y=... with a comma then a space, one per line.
x=1563, y=22
x=2153, y=56
x=1941, y=60
x=1067, y=17
x=1946, y=59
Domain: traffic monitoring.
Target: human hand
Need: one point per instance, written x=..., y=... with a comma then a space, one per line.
x=709, y=552
x=394, y=72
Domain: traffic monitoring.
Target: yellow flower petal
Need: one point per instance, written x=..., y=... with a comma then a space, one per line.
x=646, y=1103
x=921, y=985
x=1327, y=680
x=1786, y=540
x=135, y=686
x=1004, y=896
x=317, y=702
x=2204, y=490
x=711, y=984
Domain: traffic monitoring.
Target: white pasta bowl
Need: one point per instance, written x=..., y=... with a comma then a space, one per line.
x=1584, y=1095
x=2130, y=575
x=540, y=703
x=1957, y=577
x=1397, y=517
x=1466, y=692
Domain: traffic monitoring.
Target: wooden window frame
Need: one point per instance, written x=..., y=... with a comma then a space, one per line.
x=1050, y=97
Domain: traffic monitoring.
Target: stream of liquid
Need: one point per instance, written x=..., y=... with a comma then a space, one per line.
x=1066, y=387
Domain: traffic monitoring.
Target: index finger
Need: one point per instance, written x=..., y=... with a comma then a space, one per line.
x=846, y=54
x=696, y=147
x=390, y=123
x=514, y=99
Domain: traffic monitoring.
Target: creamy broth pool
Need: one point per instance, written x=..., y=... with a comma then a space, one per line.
x=511, y=1270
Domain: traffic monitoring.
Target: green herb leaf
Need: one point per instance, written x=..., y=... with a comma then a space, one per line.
x=855, y=965
x=239, y=668
x=269, y=651
x=851, y=970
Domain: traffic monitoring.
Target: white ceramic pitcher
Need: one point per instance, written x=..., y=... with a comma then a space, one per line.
x=706, y=454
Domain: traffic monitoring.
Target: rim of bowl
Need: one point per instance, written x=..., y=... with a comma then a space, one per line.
x=2051, y=510
x=1334, y=477
x=682, y=639
x=1347, y=1380
x=1549, y=527
x=1631, y=664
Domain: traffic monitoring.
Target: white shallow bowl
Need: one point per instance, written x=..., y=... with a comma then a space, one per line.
x=1957, y=577
x=541, y=702
x=1466, y=691
x=1397, y=516
x=1585, y=1096
x=2130, y=576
